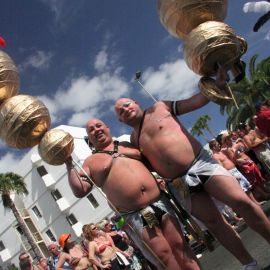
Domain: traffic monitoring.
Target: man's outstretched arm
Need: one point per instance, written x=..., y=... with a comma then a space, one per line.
x=78, y=186
x=187, y=105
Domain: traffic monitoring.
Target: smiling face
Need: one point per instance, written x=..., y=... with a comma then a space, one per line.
x=127, y=110
x=98, y=133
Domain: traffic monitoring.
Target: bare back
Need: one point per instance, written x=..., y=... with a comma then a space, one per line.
x=127, y=183
x=165, y=142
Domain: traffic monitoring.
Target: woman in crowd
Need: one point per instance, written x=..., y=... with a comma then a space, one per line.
x=73, y=254
x=121, y=241
x=102, y=251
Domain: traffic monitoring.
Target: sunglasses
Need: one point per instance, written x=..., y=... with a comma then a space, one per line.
x=94, y=228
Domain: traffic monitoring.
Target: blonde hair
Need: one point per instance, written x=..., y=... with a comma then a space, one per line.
x=87, y=231
x=102, y=223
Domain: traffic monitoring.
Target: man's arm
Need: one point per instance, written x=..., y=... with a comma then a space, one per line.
x=79, y=187
x=187, y=105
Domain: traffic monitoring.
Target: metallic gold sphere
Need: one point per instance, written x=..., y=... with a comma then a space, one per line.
x=209, y=89
x=9, y=77
x=56, y=146
x=180, y=17
x=210, y=44
x=23, y=121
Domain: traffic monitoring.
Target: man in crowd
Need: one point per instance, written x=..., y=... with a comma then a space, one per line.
x=224, y=156
x=173, y=152
x=55, y=254
x=262, y=118
x=256, y=141
x=26, y=263
x=132, y=190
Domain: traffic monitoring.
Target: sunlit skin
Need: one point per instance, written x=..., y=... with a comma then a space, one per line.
x=163, y=131
x=75, y=256
x=129, y=186
x=171, y=150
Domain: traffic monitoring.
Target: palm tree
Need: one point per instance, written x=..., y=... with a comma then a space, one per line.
x=249, y=92
x=200, y=125
x=13, y=183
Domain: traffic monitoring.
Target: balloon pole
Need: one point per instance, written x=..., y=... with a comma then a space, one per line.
x=137, y=79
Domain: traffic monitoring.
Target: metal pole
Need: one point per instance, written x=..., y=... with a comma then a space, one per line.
x=137, y=79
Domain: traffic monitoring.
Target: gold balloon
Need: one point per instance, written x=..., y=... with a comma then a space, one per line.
x=9, y=77
x=209, y=89
x=180, y=17
x=210, y=44
x=56, y=146
x=23, y=121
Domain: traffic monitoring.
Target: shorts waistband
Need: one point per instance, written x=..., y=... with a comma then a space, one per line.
x=192, y=163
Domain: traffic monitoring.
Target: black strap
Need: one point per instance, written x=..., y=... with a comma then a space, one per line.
x=115, y=149
x=140, y=130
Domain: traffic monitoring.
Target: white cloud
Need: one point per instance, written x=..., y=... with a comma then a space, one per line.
x=8, y=163
x=171, y=80
x=258, y=6
x=64, y=11
x=84, y=97
x=39, y=60
x=101, y=60
x=267, y=37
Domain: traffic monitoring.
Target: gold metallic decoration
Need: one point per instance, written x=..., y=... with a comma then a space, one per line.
x=180, y=17
x=9, y=77
x=56, y=146
x=149, y=217
x=23, y=121
x=212, y=44
x=209, y=89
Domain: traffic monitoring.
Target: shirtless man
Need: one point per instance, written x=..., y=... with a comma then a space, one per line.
x=256, y=141
x=248, y=168
x=132, y=190
x=173, y=152
x=225, y=157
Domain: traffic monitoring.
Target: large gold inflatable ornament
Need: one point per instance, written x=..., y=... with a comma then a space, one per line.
x=209, y=89
x=23, y=121
x=9, y=77
x=212, y=44
x=180, y=17
x=56, y=146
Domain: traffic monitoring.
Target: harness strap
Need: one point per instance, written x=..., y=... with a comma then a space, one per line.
x=115, y=149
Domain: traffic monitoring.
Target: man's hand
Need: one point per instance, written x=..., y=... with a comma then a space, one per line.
x=161, y=183
x=69, y=163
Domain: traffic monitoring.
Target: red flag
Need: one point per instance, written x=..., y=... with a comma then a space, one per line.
x=2, y=42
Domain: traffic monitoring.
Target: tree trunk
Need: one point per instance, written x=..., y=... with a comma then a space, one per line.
x=24, y=228
x=210, y=131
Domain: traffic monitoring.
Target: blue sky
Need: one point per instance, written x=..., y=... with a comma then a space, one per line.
x=80, y=56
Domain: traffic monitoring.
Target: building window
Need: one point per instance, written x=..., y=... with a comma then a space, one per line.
x=2, y=246
x=42, y=171
x=93, y=200
x=56, y=194
x=50, y=235
x=36, y=212
x=71, y=219
x=20, y=231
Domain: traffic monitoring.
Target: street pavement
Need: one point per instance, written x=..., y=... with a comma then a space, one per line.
x=221, y=259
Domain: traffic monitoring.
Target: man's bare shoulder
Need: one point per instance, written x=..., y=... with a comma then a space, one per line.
x=166, y=104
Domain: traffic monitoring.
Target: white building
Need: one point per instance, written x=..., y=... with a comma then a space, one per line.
x=50, y=208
